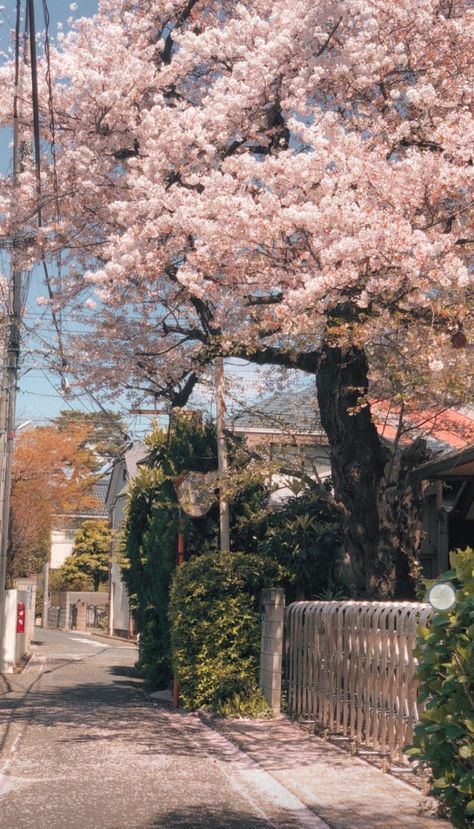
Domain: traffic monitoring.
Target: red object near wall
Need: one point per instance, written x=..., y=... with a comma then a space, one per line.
x=20, y=617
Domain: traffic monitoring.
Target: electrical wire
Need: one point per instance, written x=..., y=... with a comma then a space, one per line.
x=37, y=144
x=52, y=120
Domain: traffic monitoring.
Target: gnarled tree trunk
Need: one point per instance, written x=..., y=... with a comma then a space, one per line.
x=381, y=519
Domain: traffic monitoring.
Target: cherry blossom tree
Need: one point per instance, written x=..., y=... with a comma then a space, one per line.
x=288, y=181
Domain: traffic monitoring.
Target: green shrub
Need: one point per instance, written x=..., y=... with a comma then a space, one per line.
x=444, y=739
x=302, y=535
x=215, y=630
x=150, y=535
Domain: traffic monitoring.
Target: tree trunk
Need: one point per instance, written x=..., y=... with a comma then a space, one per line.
x=381, y=524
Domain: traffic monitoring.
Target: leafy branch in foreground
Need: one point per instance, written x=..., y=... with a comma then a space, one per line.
x=444, y=739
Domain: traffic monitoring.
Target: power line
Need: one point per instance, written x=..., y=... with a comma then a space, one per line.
x=37, y=143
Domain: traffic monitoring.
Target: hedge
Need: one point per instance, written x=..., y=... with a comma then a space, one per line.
x=444, y=739
x=215, y=630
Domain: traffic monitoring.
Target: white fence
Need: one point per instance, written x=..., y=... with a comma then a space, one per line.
x=349, y=666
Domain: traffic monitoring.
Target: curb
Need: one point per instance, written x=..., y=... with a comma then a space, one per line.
x=253, y=775
x=114, y=638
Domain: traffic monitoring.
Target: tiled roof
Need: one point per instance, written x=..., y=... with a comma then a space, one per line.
x=296, y=412
x=133, y=456
x=98, y=492
x=443, y=429
x=459, y=463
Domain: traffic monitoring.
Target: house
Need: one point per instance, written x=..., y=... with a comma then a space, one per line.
x=448, y=478
x=286, y=428
x=124, y=469
x=65, y=526
x=448, y=520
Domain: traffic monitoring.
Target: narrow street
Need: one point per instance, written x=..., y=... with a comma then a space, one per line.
x=83, y=747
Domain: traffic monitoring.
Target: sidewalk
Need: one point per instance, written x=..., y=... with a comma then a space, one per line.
x=346, y=792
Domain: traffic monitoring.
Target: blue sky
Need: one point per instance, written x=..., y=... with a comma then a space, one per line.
x=59, y=10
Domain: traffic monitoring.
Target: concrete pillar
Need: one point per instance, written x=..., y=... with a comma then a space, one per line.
x=8, y=625
x=273, y=609
x=81, y=616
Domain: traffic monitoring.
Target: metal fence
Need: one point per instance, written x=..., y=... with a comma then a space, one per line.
x=95, y=615
x=349, y=666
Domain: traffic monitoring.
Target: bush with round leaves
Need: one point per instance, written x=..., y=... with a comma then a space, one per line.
x=444, y=738
x=215, y=630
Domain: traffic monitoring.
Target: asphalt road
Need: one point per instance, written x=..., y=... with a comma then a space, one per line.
x=83, y=747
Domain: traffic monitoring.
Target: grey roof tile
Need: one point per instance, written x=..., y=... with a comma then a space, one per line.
x=293, y=411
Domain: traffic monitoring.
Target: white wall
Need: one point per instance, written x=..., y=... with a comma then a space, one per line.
x=121, y=611
x=62, y=542
x=119, y=600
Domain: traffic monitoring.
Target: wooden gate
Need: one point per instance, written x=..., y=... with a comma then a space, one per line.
x=349, y=667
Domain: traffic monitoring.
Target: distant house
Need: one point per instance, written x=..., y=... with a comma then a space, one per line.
x=123, y=471
x=65, y=526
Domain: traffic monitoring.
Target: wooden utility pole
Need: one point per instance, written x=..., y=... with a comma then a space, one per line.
x=222, y=455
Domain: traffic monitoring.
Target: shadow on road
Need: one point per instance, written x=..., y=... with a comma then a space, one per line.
x=117, y=709
x=113, y=710
x=195, y=818
x=124, y=670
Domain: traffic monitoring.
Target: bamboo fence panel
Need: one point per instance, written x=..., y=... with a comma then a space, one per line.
x=349, y=666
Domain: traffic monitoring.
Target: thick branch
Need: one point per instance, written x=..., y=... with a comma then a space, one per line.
x=269, y=355
x=180, y=398
x=181, y=18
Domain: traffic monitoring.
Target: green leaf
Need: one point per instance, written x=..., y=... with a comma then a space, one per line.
x=454, y=731
x=413, y=751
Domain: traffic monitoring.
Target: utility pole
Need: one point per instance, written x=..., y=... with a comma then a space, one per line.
x=44, y=616
x=12, y=349
x=8, y=405
x=8, y=414
x=222, y=455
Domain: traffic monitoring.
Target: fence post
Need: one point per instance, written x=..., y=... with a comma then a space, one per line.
x=272, y=602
